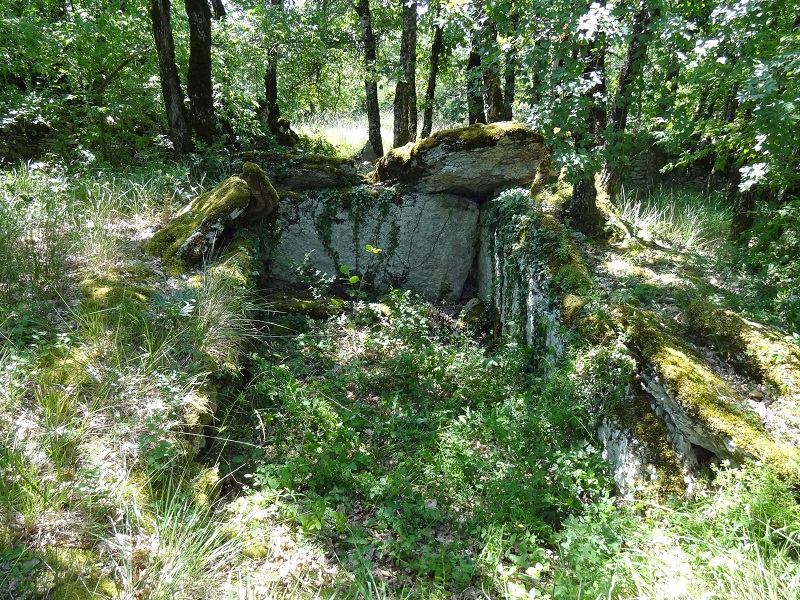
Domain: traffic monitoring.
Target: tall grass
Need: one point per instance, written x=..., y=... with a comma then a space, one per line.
x=739, y=541
x=680, y=217
x=349, y=134
x=171, y=547
x=35, y=234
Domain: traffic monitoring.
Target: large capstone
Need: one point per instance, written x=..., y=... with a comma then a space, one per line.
x=473, y=161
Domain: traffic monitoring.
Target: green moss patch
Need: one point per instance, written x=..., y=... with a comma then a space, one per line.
x=649, y=432
x=762, y=349
x=297, y=171
x=703, y=395
x=185, y=240
x=404, y=163
x=107, y=290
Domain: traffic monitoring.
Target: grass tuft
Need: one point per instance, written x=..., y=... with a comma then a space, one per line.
x=680, y=217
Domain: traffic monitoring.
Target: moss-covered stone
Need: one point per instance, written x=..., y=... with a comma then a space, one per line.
x=644, y=429
x=571, y=307
x=186, y=240
x=471, y=161
x=706, y=398
x=282, y=303
x=760, y=349
x=565, y=262
x=300, y=172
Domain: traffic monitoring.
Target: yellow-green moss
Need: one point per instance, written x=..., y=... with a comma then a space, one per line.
x=281, y=303
x=206, y=487
x=552, y=199
x=705, y=396
x=571, y=307
x=565, y=261
x=463, y=138
x=477, y=136
x=766, y=354
x=204, y=211
x=635, y=416
x=77, y=574
x=107, y=290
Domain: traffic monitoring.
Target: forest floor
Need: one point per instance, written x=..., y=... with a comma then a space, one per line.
x=388, y=449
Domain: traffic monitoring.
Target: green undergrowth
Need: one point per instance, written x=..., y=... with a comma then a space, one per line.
x=406, y=446
x=180, y=438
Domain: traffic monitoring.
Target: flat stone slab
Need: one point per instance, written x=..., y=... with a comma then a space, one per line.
x=474, y=161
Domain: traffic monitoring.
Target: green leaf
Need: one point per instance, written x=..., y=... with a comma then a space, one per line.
x=354, y=279
x=345, y=269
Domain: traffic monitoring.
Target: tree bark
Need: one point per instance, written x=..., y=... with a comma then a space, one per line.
x=430, y=91
x=743, y=203
x=405, y=99
x=177, y=116
x=370, y=81
x=493, y=96
x=474, y=87
x=474, y=74
x=199, y=87
x=219, y=10
x=270, y=110
x=583, y=209
x=510, y=75
x=632, y=65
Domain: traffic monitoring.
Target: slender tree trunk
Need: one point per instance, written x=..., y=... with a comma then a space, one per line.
x=583, y=206
x=743, y=203
x=510, y=85
x=493, y=96
x=430, y=91
x=219, y=10
x=510, y=74
x=199, y=87
x=270, y=110
x=475, y=88
x=177, y=116
x=721, y=169
x=370, y=80
x=474, y=74
x=632, y=65
x=405, y=99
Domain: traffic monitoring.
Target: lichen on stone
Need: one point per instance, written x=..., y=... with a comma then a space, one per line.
x=705, y=397
x=186, y=240
x=762, y=350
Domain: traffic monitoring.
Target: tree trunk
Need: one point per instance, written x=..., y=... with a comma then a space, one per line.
x=743, y=203
x=177, y=116
x=510, y=74
x=474, y=87
x=405, y=99
x=199, y=87
x=370, y=81
x=583, y=207
x=632, y=65
x=270, y=110
x=493, y=96
x=474, y=73
x=430, y=91
x=219, y=10
x=584, y=215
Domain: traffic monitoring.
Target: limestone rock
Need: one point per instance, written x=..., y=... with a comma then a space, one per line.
x=427, y=241
x=300, y=172
x=473, y=161
x=697, y=405
x=241, y=199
